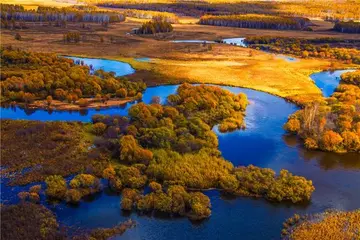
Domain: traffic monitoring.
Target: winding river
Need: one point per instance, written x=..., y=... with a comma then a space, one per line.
x=263, y=143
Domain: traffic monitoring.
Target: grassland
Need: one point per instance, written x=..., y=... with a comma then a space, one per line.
x=177, y=62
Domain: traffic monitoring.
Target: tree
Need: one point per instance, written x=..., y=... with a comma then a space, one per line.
x=49, y=100
x=131, y=152
x=55, y=187
x=98, y=128
x=18, y=36
x=292, y=125
x=331, y=141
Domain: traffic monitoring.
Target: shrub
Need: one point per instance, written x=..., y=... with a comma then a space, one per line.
x=55, y=187
x=98, y=128
x=73, y=196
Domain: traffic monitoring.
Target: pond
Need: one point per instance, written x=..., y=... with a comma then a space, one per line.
x=192, y=41
x=120, y=68
x=263, y=143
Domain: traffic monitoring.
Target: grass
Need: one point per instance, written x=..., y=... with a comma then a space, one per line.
x=327, y=225
x=43, y=149
x=178, y=62
x=35, y=3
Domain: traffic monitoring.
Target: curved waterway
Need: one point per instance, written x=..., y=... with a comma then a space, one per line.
x=119, y=68
x=263, y=143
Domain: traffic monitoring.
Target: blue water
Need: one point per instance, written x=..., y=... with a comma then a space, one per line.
x=120, y=68
x=328, y=81
x=263, y=143
x=287, y=58
x=192, y=41
x=235, y=41
x=16, y=112
x=144, y=59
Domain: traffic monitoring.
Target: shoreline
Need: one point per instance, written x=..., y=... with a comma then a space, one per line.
x=65, y=106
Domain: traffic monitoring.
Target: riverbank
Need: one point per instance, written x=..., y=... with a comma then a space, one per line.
x=174, y=63
x=65, y=106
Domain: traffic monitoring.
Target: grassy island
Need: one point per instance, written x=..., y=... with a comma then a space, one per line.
x=334, y=124
x=44, y=80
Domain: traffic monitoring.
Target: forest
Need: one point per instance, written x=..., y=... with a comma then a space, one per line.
x=318, y=47
x=28, y=76
x=334, y=124
x=157, y=25
x=10, y=14
x=257, y=21
x=347, y=27
x=142, y=14
x=327, y=10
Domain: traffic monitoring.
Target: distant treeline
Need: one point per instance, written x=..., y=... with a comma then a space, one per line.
x=168, y=17
x=327, y=10
x=49, y=14
x=347, y=27
x=319, y=47
x=155, y=26
x=256, y=21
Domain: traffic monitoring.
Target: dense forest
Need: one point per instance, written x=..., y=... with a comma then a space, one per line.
x=327, y=10
x=332, y=125
x=347, y=27
x=326, y=225
x=256, y=21
x=318, y=47
x=27, y=76
x=142, y=14
x=13, y=13
x=156, y=25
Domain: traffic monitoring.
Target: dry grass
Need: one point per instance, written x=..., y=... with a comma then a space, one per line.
x=50, y=3
x=333, y=225
x=174, y=62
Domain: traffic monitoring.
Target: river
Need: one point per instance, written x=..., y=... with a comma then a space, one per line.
x=263, y=143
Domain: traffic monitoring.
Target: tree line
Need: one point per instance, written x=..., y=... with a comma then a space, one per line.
x=142, y=14
x=347, y=27
x=51, y=14
x=326, y=10
x=331, y=125
x=319, y=48
x=156, y=25
x=257, y=21
x=28, y=76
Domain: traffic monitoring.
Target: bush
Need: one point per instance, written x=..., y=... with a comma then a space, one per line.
x=73, y=196
x=98, y=128
x=55, y=187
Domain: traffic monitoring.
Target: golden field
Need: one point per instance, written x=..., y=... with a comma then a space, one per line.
x=178, y=62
